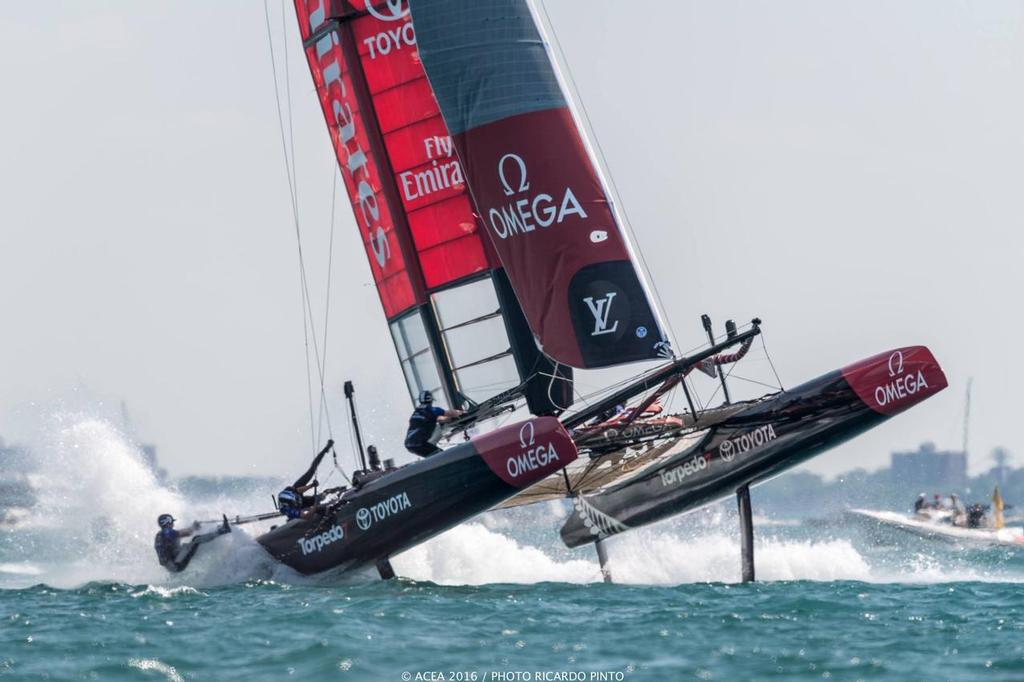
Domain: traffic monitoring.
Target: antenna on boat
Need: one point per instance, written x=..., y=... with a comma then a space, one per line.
x=371, y=452
x=350, y=392
x=730, y=330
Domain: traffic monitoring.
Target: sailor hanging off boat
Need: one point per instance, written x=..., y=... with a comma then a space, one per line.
x=292, y=502
x=172, y=554
x=425, y=426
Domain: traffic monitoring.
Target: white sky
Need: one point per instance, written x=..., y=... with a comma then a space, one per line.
x=851, y=172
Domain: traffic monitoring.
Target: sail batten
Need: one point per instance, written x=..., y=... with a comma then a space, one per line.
x=538, y=191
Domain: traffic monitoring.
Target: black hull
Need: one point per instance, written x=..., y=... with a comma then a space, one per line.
x=407, y=506
x=760, y=442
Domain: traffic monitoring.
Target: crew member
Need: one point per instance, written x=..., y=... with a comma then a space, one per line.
x=171, y=553
x=921, y=503
x=291, y=501
x=425, y=426
x=975, y=516
x=958, y=510
x=295, y=506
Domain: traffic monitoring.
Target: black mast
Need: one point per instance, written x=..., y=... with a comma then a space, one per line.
x=350, y=396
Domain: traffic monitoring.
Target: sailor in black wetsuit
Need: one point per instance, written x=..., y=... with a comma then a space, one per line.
x=291, y=500
x=424, y=426
x=169, y=550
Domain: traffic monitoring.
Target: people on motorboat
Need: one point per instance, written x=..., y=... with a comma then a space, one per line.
x=174, y=556
x=920, y=503
x=425, y=426
x=976, y=516
x=292, y=501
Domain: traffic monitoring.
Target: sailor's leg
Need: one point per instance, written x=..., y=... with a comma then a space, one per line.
x=746, y=533
x=206, y=537
x=185, y=554
x=602, y=558
x=305, y=478
x=425, y=450
x=187, y=551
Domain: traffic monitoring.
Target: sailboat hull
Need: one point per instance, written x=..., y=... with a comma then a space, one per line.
x=410, y=505
x=761, y=441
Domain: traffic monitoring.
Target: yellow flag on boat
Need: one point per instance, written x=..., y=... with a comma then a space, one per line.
x=997, y=506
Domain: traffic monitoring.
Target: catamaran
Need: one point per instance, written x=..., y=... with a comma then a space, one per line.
x=502, y=265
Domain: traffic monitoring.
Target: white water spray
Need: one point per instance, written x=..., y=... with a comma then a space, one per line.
x=95, y=516
x=98, y=500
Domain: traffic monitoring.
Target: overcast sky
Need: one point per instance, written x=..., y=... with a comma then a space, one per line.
x=851, y=172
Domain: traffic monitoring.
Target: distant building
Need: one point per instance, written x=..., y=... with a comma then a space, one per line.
x=930, y=468
x=1000, y=471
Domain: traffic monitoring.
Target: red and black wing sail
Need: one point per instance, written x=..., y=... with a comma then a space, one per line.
x=542, y=199
x=456, y=327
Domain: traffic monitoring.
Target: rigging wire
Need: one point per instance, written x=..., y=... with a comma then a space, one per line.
x=551, y=385
x=611, y=177
x=771, y=364
x=752, y=381
x=327, y=305
x=309, y=370
x=308, y=318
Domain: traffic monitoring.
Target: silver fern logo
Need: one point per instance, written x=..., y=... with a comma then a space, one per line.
x=596, y=521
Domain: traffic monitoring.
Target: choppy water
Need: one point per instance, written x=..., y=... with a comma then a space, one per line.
x=82, y=598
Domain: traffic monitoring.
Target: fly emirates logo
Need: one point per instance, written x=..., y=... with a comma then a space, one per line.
x=527, y=210
x=355, y=162
x=443, y=173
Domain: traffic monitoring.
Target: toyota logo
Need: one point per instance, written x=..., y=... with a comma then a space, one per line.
x=363, y=518
x=725, y=451
x=394, y=8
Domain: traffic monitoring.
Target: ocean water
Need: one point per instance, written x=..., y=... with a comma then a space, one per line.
x=497, y=599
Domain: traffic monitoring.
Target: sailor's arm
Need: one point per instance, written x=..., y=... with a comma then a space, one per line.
x=449, y=415
x=310, y=512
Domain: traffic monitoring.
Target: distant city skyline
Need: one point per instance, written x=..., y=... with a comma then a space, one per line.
x=847, y=172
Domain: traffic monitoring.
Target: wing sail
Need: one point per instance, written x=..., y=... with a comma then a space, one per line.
x=457, y=329
x=544, y=204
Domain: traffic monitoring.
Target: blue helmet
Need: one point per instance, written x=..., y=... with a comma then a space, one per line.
x=165, y=521
x=288, y=498
x=426, y=397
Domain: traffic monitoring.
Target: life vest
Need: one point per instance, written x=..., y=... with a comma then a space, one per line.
x=166, y=544
x=423, y=426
